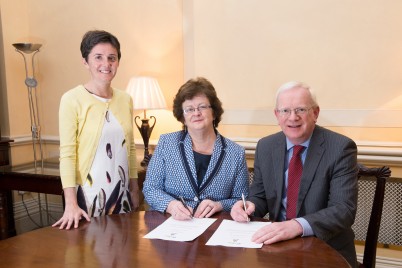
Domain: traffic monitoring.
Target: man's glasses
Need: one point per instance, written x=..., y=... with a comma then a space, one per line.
x=191, y=110
x=286, y=112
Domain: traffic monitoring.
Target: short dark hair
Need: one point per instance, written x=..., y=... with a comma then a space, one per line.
x=92, y=38
x=195, y=87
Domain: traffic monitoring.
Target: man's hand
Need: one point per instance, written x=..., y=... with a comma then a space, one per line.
x=278, y=231
x=238, y=214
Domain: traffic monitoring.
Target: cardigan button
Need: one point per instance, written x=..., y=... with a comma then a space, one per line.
x=195, y=199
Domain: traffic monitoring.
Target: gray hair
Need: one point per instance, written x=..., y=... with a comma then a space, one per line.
x=296, y=84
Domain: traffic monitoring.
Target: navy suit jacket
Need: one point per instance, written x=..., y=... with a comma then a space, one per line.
x=328, y=188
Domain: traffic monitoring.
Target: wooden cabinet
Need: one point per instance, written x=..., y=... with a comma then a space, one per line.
x=7, y=227
x=4, y=153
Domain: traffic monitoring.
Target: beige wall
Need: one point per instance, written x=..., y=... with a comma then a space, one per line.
x=150, y=33
x=348, y=51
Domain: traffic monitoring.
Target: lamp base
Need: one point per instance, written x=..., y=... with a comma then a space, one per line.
x=145, y=129
x=145, y=161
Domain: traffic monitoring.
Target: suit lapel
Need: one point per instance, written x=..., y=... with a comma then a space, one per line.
x=278, y=157
x=314, y=155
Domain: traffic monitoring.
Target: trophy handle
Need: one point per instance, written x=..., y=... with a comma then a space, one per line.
x=151, y=127
x=135, y=121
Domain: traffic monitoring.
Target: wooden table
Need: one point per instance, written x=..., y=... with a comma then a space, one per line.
x=117, y=241
x=40, y=181
x=29, y=179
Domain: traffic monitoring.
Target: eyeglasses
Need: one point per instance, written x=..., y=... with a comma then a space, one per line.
x=286, y=112
x=191, y=110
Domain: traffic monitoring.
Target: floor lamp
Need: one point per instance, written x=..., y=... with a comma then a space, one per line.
x=32, y=83
x=146, y=95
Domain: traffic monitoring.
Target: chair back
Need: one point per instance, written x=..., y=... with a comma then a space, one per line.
x=370, y=247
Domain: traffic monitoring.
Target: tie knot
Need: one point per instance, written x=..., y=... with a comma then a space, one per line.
x=297, y=149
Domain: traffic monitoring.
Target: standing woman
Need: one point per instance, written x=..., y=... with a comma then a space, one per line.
x=97, y=151
x=196, y=170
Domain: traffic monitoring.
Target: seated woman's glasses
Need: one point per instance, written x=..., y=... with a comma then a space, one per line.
x=200, y=108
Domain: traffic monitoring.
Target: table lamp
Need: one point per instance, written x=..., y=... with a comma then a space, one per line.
x=146, y=95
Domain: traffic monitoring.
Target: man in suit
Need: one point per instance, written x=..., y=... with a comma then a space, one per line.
x=325, y=199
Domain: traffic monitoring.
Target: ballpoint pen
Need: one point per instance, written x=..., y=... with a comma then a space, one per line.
x=184, y=204
x=244, y=204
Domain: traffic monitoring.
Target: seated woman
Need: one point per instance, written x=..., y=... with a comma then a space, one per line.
x=196, y=165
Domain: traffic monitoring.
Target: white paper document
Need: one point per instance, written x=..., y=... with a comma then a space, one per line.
x=175, y=230
x=236, y=234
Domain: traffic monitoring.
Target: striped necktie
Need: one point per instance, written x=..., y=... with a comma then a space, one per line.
x=294, y=174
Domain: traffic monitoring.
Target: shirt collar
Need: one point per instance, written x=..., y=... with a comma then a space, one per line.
x=290, y=145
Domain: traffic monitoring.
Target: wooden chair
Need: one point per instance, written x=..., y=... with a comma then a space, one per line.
x=370, y=247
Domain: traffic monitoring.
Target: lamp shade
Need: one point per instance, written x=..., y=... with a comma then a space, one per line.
x=27, y=47
x=146, y=93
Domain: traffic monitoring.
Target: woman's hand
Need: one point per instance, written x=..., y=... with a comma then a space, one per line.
x=72, y=213
x=179, y=211
x=207, y=208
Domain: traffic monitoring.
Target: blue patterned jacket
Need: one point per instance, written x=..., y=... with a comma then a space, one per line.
x=167, y=177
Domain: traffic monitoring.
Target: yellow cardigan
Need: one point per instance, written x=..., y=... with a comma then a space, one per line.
x=81, y=118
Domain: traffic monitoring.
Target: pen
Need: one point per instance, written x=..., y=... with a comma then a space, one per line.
x=244, y=204
x=184, y=204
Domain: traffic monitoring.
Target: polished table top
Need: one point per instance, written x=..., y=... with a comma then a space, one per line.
x=117, y=241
